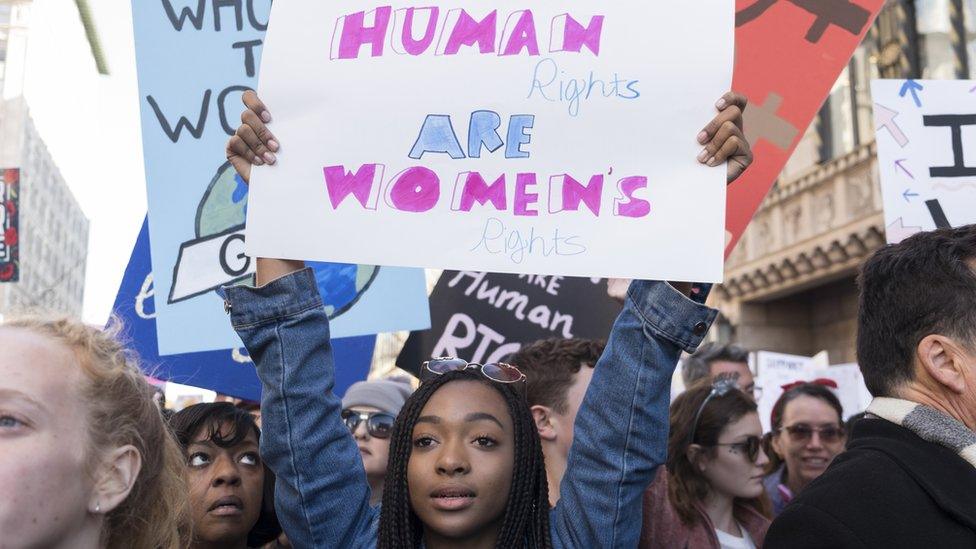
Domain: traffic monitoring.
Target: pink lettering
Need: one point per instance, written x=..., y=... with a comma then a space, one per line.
x=415, y=189
x=566, y=194
x=403, y=25
x=570, y=36
x=523, y=199
x=519, y=34
x=355, y=33
x=341, y=184
x=468, y=32
x=633, y=207
x=474, y=189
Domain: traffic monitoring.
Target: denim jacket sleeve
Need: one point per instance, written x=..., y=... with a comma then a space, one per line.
x=321, y=493
x=621, y=430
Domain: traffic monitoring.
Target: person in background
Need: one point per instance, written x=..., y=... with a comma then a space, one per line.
x=86, y=460
x=369, y=409
x=712, y=359
x=807, y=434
x=908, y=477
x=231, y=490
x=711, y=494
x=557, y=374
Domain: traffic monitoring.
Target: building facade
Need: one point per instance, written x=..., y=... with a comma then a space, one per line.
x=53, y=229
x=790, y=282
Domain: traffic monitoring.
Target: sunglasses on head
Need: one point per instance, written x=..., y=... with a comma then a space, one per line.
x=378, y=424
x=722, y=385
x=495, y=371
x=801, y=432
x=748, y=447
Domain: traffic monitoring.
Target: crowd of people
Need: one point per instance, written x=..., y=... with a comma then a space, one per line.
x=569, y=443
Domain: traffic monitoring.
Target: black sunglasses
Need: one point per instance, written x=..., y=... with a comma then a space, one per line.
x=749, y=447
x=378, y=424
x=802, y=432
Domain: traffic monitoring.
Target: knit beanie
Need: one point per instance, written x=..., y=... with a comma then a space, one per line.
x=387, y=395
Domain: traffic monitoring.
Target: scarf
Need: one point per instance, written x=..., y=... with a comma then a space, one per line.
x=929, y=424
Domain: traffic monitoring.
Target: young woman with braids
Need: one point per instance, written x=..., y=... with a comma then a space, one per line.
x=465, y=467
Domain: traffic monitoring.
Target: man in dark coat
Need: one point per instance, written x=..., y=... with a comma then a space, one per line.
x=908, y=477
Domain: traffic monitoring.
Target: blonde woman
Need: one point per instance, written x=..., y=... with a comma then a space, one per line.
x=86, y=460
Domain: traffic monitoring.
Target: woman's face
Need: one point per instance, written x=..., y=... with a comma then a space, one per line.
x=374, y=451
x=460, y=469
x=728, y=468
x=226, y=487
x=807, y=457
x=46, y=485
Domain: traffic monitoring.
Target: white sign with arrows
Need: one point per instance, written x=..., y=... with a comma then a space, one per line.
x=926, y=136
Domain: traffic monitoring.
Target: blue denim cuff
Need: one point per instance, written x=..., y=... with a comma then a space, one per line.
x=670, y=314
x=286, y=296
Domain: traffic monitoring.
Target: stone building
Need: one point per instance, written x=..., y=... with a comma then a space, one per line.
x=790, y=282
x=53, y=228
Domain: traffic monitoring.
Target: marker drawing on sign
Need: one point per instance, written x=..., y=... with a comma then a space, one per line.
x=884, y=118
x=955, y=122
x=840, y=13
x=897, y=231
x=762, y=122
x=908, y=194
x=898, y=164
x=938, y=215
x=913, y=87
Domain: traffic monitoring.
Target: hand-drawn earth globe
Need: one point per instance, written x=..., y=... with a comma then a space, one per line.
x=224, y=206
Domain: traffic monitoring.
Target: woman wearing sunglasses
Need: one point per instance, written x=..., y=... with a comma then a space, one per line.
x=368, y=410
x=711, y=494
x=807, y=435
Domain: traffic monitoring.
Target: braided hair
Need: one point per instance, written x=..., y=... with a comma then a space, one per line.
x=526, y=519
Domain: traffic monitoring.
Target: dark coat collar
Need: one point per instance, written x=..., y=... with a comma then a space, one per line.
x=947, y=478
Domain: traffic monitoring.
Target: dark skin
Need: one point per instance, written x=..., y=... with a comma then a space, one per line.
x=460, y=468
x=459, y=471
x=226, y=490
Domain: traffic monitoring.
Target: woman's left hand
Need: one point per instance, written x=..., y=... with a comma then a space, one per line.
x=723, y=138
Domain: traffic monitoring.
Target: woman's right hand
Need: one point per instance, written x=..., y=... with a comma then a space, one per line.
x=253, y=143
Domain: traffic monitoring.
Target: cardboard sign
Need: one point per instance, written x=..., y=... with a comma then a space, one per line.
x=926, y=134
x=227, y=371
x=506, y=137
x=788, y=55
x=10, y=226
x=484, y=317
x=195, y=59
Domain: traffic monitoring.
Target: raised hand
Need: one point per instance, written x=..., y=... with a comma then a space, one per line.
x=723, y=138
x=253, y=143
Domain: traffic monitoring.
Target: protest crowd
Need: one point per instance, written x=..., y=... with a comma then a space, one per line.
x=652, y=435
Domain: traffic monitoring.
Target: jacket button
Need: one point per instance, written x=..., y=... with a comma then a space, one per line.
x=700, y=329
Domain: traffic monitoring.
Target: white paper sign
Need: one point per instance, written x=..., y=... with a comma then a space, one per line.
x=509, y=136
x=775, y=370
x=926, y=135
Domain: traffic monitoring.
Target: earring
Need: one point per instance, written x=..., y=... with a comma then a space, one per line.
x=98, y=507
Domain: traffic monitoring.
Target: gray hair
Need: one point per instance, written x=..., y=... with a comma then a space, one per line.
x=699, y=365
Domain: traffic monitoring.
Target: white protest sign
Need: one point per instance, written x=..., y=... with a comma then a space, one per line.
x=850, y=387
x=926, y=135
x=507, y=137
x=775, y=370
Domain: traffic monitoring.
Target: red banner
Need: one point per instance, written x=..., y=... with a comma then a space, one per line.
x=789, y=53
x=9, y=224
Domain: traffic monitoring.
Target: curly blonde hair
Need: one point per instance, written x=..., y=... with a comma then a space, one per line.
x=122, y=411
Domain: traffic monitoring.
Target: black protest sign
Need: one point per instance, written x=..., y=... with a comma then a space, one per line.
x=484, y=317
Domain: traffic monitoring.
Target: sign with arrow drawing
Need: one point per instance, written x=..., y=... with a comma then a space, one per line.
x=926, y=134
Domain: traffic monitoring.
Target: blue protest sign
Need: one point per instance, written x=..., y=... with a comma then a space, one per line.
x=227, y=371
x=195, y=59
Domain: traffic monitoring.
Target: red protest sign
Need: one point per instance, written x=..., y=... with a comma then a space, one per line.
x=788, y=55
